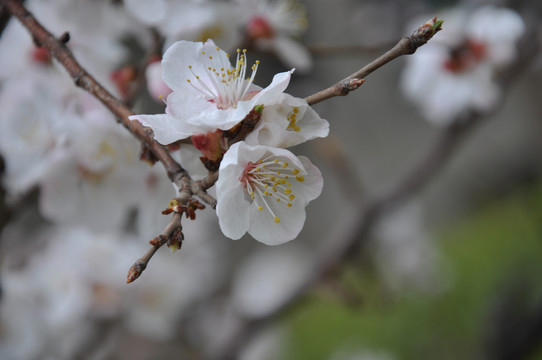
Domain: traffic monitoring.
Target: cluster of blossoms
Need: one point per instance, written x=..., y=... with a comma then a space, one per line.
x=94, y=191
x=262, y=188
x=63, y=141
x=456, y=72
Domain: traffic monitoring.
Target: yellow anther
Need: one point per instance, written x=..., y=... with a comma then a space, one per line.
x=173, y=202
x=288, y=191
x=291, y=197
x=278, y=200
x=285, y=165
x=288, y=204
x=277, y=219
x=190, y=66
x=260, y=207
x=300, y=178
x=295, y=109
x=295, y=171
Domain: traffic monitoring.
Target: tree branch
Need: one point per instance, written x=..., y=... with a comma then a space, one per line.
x=405, y=46
x=187, y=187
x=81, y=78
x=141, y=263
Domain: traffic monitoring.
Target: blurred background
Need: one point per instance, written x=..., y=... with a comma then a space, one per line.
x=449, y=270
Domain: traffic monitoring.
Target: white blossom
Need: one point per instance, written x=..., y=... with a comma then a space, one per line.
x=264, y=191
x=267, y=278
x=455, y=72
x=276, y=25
x=208, y=92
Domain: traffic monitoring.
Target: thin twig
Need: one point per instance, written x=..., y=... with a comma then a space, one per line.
x=141, y=263
x=405, y=46
x=5, y=16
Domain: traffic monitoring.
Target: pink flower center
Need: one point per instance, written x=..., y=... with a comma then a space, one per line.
x=41, y=56
x=466, y=56
x=270, y=181
x=259, y=28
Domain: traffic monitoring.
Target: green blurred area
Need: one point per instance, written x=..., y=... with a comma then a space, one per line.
x=493, y=261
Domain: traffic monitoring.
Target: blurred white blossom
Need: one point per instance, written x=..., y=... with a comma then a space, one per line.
x=276, y=26
x=455, y=72
x=266, y=279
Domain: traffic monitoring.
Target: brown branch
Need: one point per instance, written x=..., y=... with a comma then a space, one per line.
x=5, y=16
x=405, y=46
x=81, y=78
x=187, y=187
x=199, y=188
x=141, y=263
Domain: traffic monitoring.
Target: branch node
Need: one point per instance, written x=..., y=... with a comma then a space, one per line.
x=347, y=85
x=64, y=38
x=158, y=241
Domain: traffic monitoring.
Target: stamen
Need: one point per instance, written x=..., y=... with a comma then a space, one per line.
x=225, y=86
x=267, y=179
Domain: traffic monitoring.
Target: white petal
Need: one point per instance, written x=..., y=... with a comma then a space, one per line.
x=167, y=129
x=176, y=60
x=271, y=94
x=264, y=228
x=293, y=54
x=272, y=130
x=232, y=207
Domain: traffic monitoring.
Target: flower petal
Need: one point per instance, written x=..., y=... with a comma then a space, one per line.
x=279, y=128
x=166, y=128
x=232, y=207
